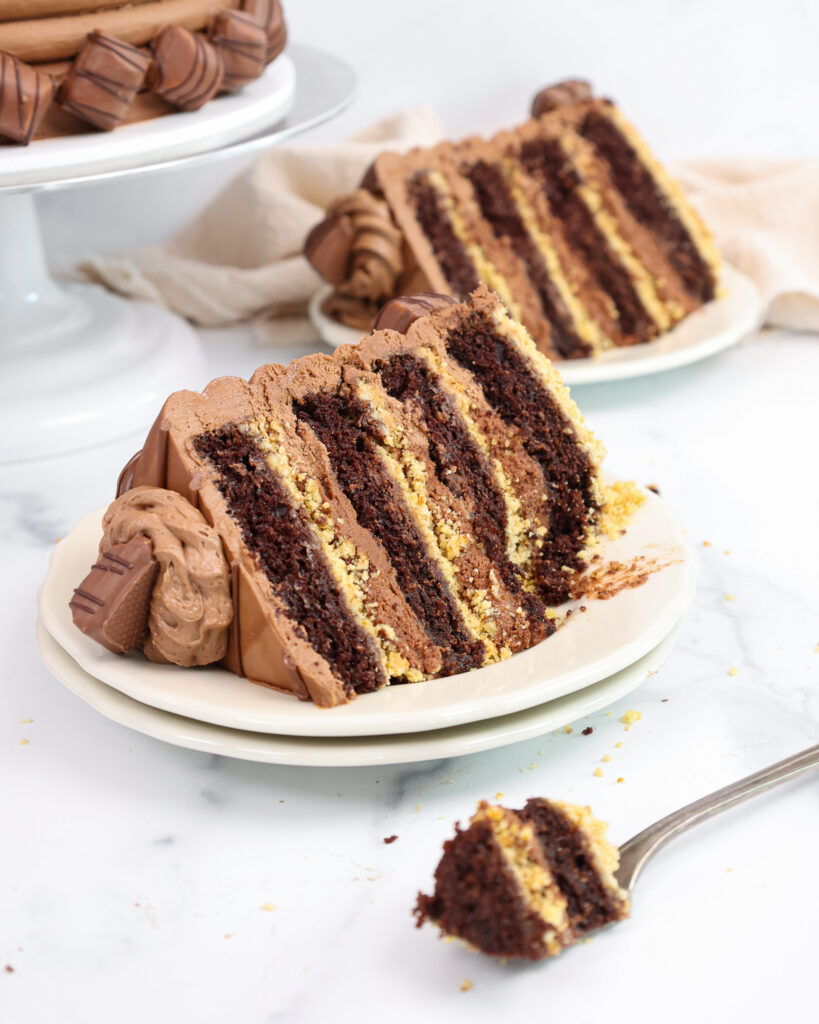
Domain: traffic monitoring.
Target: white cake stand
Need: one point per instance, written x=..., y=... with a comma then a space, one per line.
x=79, y=365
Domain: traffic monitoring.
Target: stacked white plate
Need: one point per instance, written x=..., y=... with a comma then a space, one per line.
x=604, y=650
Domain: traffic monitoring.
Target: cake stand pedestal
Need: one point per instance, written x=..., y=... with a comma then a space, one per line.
x=80, y=366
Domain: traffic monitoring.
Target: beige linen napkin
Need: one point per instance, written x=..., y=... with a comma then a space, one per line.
x=241, y=258
x=765, y=216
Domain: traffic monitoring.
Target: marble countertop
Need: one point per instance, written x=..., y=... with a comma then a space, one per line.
x=142, y=881
x=134, y=875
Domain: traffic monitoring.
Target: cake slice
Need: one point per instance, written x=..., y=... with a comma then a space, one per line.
x=411, y=507
x=568, y=217
x=525, y=884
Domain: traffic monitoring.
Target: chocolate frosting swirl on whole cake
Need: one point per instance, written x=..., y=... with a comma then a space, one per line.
x=190, y=608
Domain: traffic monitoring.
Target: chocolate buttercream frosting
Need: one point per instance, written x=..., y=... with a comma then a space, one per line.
x=187, y=609
x=359, y=250
x=561, y=94
x=103, y=81
x=187, y=70
x=25, y=95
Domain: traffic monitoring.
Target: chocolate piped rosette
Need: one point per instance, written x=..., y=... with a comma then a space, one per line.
x=568, y=217
x=412, y=507
x=525, y=884
x=66, y=66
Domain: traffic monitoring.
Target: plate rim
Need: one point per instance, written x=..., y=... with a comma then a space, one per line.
x=742, y=296
x=355, y=751
x=310, y=721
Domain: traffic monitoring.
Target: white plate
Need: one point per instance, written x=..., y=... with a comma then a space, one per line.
x=715, y=327
x=592, y=645
x=224, y=120
x=346, y=753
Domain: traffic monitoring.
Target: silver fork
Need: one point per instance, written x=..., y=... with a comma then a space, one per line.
x=635, y=854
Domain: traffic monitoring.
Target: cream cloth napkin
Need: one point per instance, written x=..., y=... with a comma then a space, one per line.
x=240, y=259
x=765, y=216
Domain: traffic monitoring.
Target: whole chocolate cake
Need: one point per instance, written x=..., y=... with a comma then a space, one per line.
x=105, y=62
x=410, y=507
x=568, y=217
x=525, y=884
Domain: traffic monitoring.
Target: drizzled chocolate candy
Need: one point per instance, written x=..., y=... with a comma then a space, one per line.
x=268, y=14
x=187, y=70
x=562, y=94
x=399, y=314
x=25, y=95
x=103, y=81
x=242, y=44
x=112, y=603
x=328, y=246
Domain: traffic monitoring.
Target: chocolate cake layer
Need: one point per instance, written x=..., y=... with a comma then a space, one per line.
x=516, y=394
x=648, y=205
x=590, y=904
x=280, y=538
x=544, y=160
x=449, y=250
x=499, y=209
x=339, y=423
x=477, y=900
x=463, y=468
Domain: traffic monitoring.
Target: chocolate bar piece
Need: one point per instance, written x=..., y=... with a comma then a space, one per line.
x=563, y=94
x=269, y=14
x=242, y=43
x=112, y=603
x=399, y=314
x=25, y=95
x=187, y=70
x=103, y=81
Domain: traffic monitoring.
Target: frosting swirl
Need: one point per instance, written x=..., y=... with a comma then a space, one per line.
x=191, y=607
x=357, y=247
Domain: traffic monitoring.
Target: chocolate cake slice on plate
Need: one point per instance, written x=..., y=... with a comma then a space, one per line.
x=411, y=507
x=568, y=217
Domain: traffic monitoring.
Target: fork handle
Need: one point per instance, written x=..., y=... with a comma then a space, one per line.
x=637, y=851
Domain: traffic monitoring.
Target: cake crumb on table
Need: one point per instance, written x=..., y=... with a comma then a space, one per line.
x=568, y=729
x=10, y=969
x=598, y=772
x=390, y=839
x=499, y=795
x=588, y=730
x=729, y=597
x=630, y=717
x=606, y=757
x=732, y=671
x=706, y=543
x=26, y=721
x=466, y=985
x=621, y=779
x=24, y=742
x=268, y=906
x=619, y=743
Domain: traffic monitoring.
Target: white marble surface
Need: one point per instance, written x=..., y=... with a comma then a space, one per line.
x=133, y=874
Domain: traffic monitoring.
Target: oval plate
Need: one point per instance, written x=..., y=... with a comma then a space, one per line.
x=595, y=643
x=348, y=752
